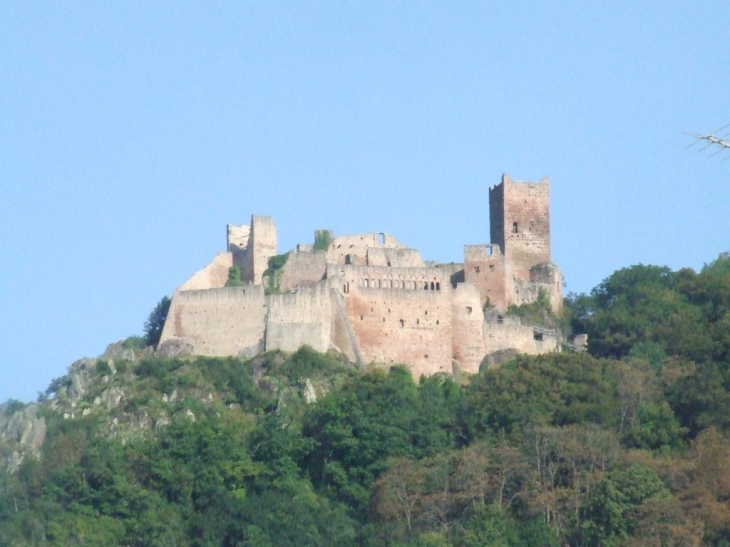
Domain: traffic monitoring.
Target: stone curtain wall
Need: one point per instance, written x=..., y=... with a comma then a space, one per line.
x=467, y=328
x=299, y=318
x=520, y=337
x=411, y=326
x=218, y=322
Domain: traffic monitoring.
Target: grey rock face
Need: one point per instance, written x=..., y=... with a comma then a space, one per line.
x=497, y=358
x=174, y=347
x=23, y=426
x=309, y=394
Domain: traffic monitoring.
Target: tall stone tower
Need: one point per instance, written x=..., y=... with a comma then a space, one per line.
x=519, y=220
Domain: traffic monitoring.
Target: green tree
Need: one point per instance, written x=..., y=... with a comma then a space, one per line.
x=156, y=322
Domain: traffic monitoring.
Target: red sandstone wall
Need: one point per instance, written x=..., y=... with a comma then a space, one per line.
x=408, y=326
x=467, y=327
x=489, y=274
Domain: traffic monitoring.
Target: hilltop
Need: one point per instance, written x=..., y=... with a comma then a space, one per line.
x=626, y=444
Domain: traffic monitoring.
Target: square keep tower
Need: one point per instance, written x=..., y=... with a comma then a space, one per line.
x=519, y=220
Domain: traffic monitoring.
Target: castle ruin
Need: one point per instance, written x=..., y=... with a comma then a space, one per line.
x=374, y=299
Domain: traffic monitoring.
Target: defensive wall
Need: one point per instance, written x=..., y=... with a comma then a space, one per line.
x=375, y=299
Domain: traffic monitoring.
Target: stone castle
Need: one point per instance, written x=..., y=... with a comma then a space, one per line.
x=374, y=299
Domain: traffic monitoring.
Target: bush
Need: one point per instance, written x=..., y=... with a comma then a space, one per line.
x=273, y=273
x=322, y=240
x=103, y=368
x=235, y=276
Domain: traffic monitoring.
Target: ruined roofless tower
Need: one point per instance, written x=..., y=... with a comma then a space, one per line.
x=519, y=221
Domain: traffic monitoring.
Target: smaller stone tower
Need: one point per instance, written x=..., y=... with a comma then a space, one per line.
x=519, y=218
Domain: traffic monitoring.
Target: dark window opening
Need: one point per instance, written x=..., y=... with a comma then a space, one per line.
x=348, y=259
x=433, y=286
x=491, y=267
x=476, y=269
x=469, y=309
x=514, y=228
x=418, y=321
x=437, y=321
x=500, y=319
x=402, y=323
x=438, y=286
x=361, y=318
x=388, y=263
x=537, y=336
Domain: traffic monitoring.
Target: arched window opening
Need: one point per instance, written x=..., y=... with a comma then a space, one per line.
x=381, y=239
x=438, y=286
x=514, y=228
x=348, y=259
x=433, y=286
x=488, y=248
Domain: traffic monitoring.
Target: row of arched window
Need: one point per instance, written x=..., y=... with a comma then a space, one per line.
x=407, y=284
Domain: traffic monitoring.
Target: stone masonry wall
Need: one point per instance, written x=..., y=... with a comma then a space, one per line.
x=401, y=325
x=486, y=269
x=261, y=246
x=400, y=258
x=237, y=237
x=304, y=268
x=520, y=222
x=218, y=322
x=213, y=276
x=299, y=318
x=467, y=327
x=517, y=336
x=357, y=246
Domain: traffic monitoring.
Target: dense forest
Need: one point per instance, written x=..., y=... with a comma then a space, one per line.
x=626, y=444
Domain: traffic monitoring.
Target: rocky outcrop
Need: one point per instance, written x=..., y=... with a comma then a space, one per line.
x=174, y=347
x=22, y=430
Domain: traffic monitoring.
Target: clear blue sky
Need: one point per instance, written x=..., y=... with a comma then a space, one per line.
x=132, y=132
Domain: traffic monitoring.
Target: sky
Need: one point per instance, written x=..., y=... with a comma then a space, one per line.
x=131, y=133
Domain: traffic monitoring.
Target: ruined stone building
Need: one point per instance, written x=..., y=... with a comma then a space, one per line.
x=373, y=298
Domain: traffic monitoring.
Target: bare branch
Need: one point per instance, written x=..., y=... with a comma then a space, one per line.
x=712, y=139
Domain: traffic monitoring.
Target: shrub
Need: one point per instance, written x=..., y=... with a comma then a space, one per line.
x=235, y=276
